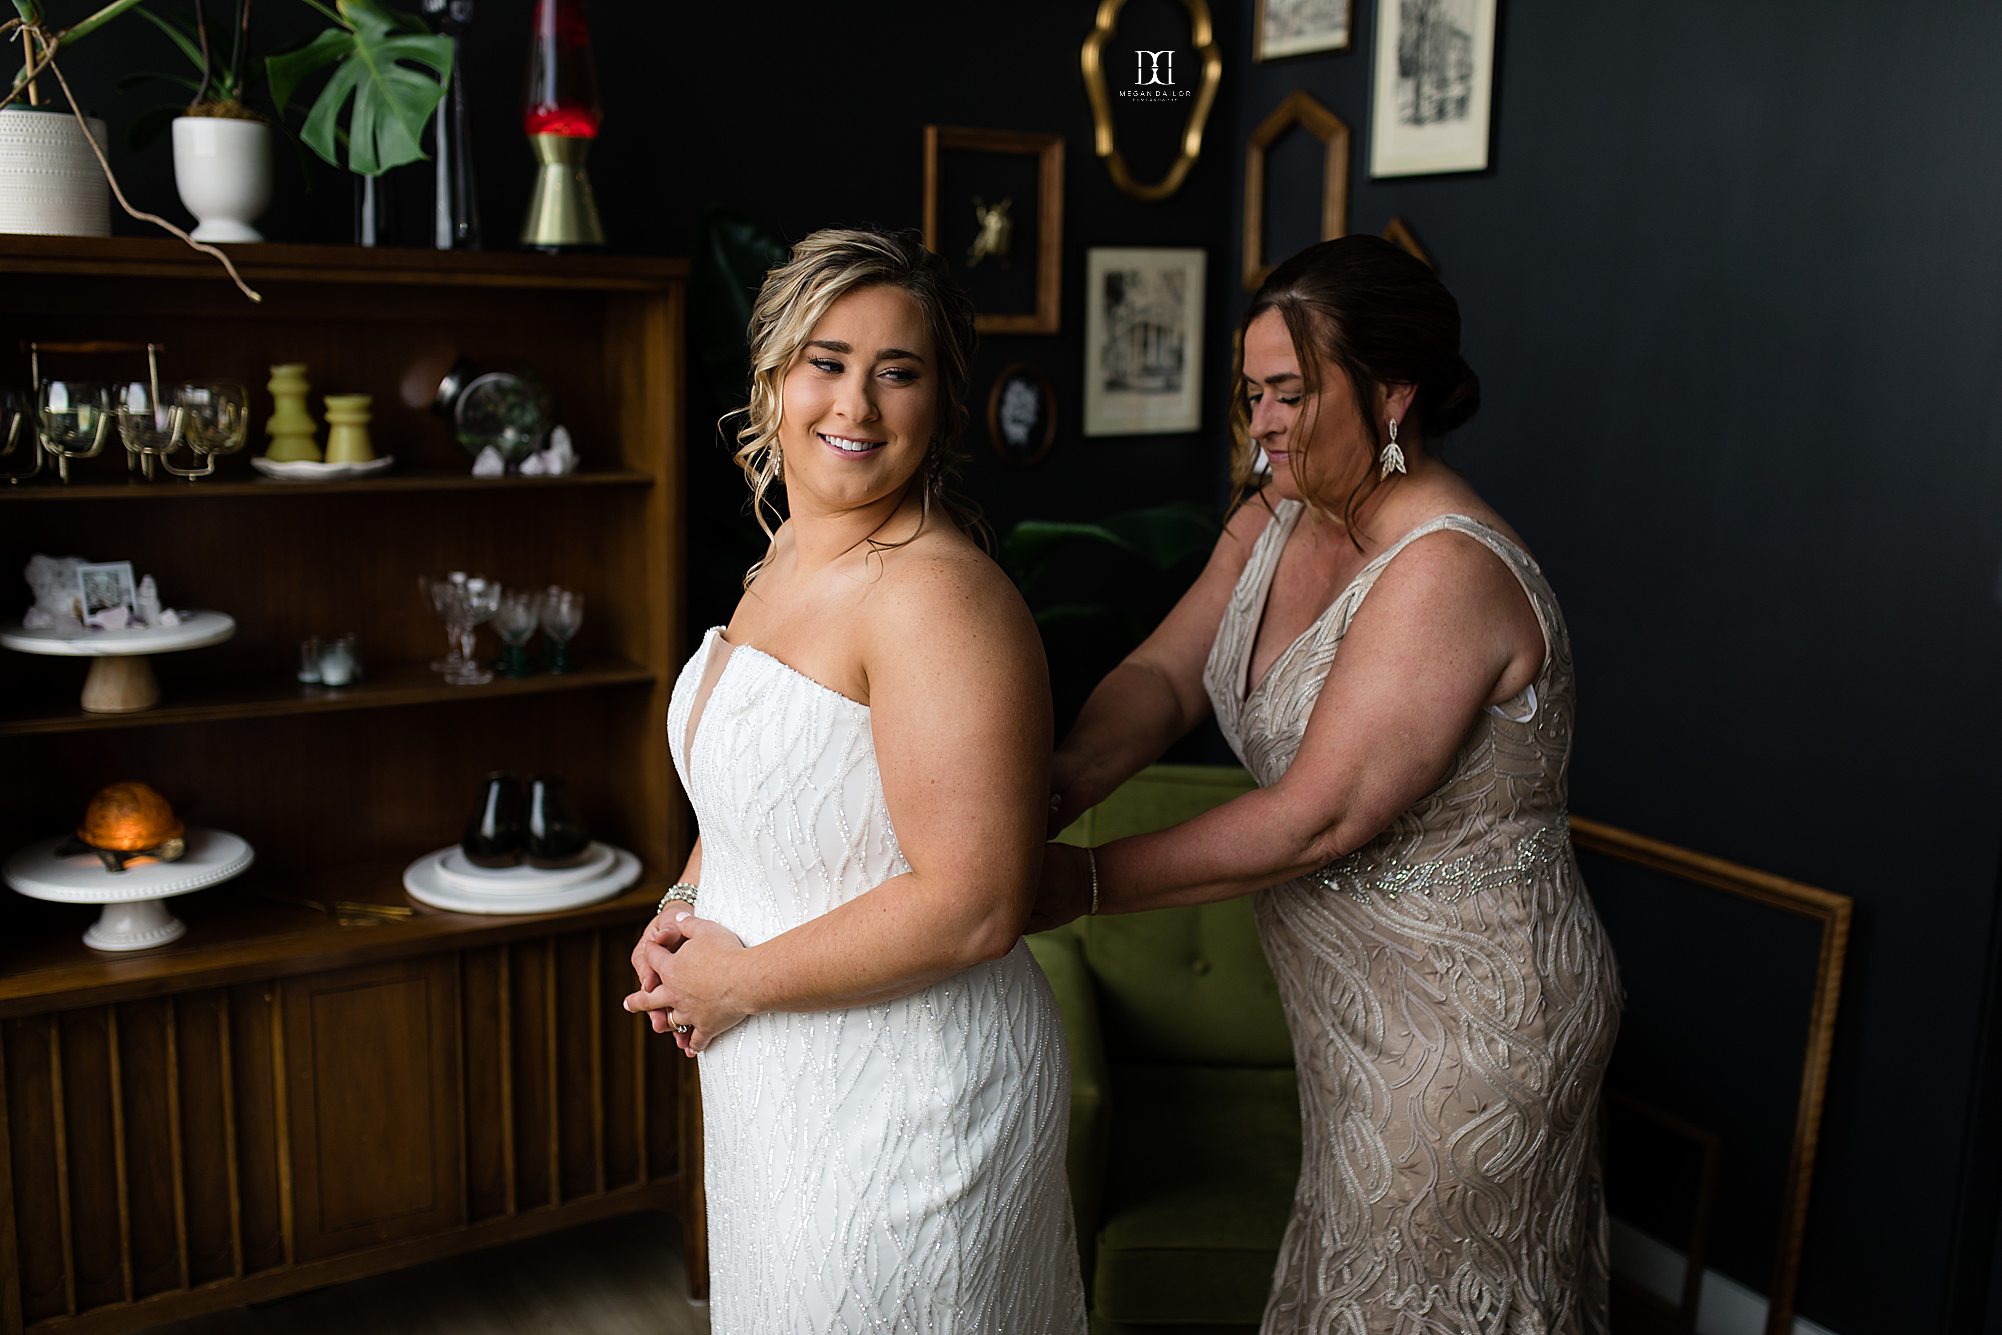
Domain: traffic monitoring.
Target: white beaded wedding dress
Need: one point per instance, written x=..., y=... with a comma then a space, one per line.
x=890, y=1167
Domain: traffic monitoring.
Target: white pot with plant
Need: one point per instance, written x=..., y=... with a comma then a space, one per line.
x=385, y=74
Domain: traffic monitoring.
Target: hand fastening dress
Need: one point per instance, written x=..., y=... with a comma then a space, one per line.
x=889, y=1167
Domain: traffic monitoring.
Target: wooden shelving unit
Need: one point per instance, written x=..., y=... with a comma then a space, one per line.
x=289, y=1095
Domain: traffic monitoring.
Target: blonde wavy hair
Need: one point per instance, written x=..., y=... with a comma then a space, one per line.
x=823, y=268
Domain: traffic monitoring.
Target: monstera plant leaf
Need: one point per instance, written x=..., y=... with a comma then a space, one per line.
x=388, y=64
x=1159, y=538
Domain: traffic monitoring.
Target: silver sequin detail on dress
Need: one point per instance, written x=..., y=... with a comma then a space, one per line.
x=1448, y=880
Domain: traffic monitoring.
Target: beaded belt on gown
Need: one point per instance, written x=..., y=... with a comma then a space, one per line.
x=1447, y=880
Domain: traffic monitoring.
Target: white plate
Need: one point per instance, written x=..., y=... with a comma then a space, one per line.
x=306, y=470
x=456, y=870
x=197, y=630
x=213, y=857
x=425, y=883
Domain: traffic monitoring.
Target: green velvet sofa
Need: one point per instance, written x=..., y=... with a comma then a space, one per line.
x=1185, y=1115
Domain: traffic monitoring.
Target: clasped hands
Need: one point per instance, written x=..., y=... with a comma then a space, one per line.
x=684, y=964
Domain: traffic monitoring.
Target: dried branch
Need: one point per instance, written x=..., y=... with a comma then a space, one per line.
x=202, y=246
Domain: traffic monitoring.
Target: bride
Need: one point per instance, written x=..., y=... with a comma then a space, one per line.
x=885, y=1088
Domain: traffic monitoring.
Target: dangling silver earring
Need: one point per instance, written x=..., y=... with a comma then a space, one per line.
x=778, y=464
x=1392, y=458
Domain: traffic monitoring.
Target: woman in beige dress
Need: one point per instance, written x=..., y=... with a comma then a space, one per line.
x=1391, y=666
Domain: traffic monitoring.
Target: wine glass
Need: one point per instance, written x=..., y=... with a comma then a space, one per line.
x=148, y=422
x=17, y=429
x=72, y=420
x=514, y=623
x=437, y=593
x=562, y=614
x=467, y=607
x=215, y=419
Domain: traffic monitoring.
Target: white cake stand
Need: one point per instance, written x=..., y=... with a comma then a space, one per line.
x=135, y=916
x=445, y=880
x=121, y=681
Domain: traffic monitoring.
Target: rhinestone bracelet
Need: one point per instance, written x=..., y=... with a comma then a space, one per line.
x=681, y=890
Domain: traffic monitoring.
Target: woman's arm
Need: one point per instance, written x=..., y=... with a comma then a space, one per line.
x=1156, y=694
x=1445, y=628
x=960, y=713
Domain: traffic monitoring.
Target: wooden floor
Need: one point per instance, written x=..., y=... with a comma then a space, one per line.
x=611, y=1278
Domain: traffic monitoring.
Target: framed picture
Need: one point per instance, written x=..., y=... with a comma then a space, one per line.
x=1143, y=341
x=1435, y=75
x=994, y=208
x=1299, y=27
x=1022, y=415
x=109, y=595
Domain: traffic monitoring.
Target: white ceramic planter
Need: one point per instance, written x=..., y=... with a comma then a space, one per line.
x=50, y=181
x=222, y=168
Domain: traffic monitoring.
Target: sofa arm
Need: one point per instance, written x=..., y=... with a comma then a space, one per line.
x=1061, y=955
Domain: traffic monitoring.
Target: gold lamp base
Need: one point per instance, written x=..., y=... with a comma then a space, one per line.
x=562, y=215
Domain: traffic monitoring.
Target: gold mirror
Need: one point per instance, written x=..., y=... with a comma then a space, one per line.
x=1203, y=37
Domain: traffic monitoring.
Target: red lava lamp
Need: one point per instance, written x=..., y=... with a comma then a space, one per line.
x=561, y=119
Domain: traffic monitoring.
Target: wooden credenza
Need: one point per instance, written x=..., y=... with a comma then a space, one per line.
x=294, y=1095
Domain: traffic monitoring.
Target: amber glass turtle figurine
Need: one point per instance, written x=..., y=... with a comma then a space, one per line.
x=126, y=822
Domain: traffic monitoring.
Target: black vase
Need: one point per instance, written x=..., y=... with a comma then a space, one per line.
x=556, y=833
x=499, y=827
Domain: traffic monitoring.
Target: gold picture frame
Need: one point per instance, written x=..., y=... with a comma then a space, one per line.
x=1307, y=112
x=1399, y=234
x=1203, y=35
x=1285, y=28
x=1832, y=912
x=1041, y=311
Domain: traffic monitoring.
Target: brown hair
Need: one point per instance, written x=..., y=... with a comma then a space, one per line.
x=1368, y=310
x=823, y=268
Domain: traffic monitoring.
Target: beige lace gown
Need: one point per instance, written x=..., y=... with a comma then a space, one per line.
x=1452, y=1000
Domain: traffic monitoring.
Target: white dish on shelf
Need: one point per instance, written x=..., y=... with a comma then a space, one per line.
x=134, y=917
x=307, y=470
x=197, y=630
x=424, y=881
x=455, y=869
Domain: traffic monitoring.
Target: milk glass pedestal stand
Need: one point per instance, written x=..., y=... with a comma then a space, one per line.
x=135, y=913
x=121, y=681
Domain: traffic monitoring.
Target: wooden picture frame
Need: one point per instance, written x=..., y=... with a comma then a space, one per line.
x=1143, y=341
x=1399, y=234
x=1300, y=27
x=968, y=170
x=1831, y=913
x=1433, y=86
x=1305, y=111
x=1022, y=415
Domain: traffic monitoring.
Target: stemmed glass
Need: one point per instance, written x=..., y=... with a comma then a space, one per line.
x=148, y=422
x=72, y=420
x=215, y=418
x=17, y=427
x=562, y=615
x=467, y=606
x=435, y=593
x=514, y=623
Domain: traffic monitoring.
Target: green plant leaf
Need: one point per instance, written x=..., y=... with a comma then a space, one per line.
x=127, y=82
x=182, y=37
x=149, y=124
x=383, y=71
x=732, y=255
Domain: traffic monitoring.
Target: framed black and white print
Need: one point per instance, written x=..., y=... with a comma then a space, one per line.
x=1143, y=341
x=1299, y=28
x=108, y=596
x=1022, y=415
x=1434, y=86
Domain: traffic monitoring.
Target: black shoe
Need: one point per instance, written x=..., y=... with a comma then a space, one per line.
x=499, y=827
x=556, y=833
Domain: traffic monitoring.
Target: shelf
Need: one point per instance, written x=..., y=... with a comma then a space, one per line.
x=165, y=489
x=393, y=686
x=163, y=257
x=250, y=928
